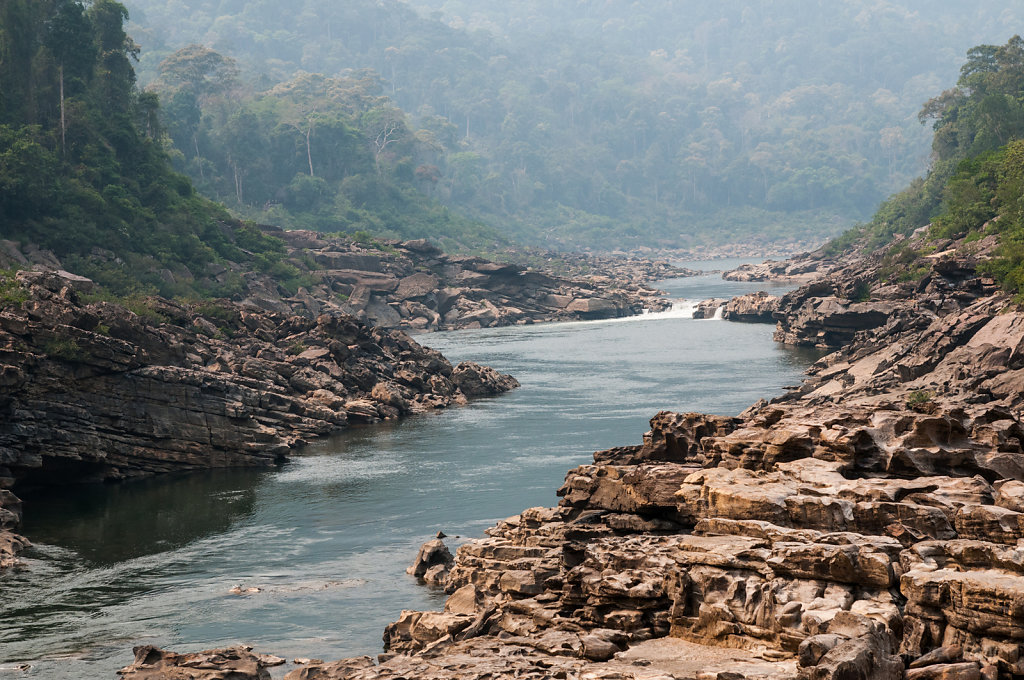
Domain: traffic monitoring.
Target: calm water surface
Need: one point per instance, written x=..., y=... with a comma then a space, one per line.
x=327, y=537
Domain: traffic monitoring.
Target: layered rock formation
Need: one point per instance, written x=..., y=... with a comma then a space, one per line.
x=413, y=285
x=759, y=307
x=798, y=269
x=98, y=391
x=889, y=291
x=867, y=525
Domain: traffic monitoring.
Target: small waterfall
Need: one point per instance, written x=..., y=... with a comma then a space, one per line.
x=718, y=312
x=681, y=309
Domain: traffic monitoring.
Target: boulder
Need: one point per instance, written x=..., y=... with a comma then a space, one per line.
x=757, y=307
x=475, y=380
x=416, y=285
x=431, y=554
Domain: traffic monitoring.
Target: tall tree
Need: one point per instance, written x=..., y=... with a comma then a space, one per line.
x=69, y=38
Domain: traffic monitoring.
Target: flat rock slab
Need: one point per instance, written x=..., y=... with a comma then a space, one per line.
x=683, y=659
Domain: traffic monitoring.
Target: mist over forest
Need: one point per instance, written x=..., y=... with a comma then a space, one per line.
x=609, y=124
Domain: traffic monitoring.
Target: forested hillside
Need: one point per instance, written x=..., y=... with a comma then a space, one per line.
x=976, y=185
x=319, y=152
x=609, y=123
x=82, y=167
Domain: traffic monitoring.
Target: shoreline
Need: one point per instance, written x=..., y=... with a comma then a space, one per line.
x=507, y=508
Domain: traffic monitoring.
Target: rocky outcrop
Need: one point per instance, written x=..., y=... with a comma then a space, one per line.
x=433, y=562
x=235, y=663
x=95, y=391
x=413, y=285
x=759, y=307
x=709, y=309
x=866, y=525
x=475, y=380
x=796, y=269
x=829, y=322
x=872, y=293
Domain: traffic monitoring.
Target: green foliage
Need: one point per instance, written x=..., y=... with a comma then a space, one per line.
x=976, y=186
x=861, y=292
x=969, y=196
x=213, y=309
x=919, y=398
x=329, y=154
x=64, y=348
x=12, y=294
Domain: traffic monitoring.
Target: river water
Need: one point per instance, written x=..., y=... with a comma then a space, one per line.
x=327, y=537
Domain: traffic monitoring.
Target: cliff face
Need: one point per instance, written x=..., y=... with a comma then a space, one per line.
x=96, y=391
x=867, y=525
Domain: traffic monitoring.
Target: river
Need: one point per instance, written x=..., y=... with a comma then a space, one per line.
x=326, y=537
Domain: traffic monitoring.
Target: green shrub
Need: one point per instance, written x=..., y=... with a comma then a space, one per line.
x=63, y=348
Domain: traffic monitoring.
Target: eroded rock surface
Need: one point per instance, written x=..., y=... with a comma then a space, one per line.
x=413, y=285
x=757, y=307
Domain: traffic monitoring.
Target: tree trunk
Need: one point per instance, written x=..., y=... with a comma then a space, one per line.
x=309, y=152
x=63, y=120
x=199, y=159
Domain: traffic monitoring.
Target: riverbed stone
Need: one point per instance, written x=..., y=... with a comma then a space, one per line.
x=236, y=663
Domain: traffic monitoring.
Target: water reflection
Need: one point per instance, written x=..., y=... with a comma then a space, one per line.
x=108, y=523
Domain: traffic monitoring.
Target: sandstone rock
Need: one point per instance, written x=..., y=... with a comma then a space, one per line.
x=475, y=380
x=939, y=655
x=708, y=309
x=331, y=671
x=949, y=671
x=813, y=648
x=598, y=648
x=862, y=658
x=416, y=285
x=831, y=322
x=421, y=245
x=757, y=307
x=348, y=261
x=592, y=308
x=432, y=553
x=236, y=663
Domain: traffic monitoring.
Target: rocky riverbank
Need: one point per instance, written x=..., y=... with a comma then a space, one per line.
x=413, y=285
x=98, y=391
x=866, y=525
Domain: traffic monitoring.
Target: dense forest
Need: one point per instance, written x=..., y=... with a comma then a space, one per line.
x=85, y=167
x=592, y=123
x=82, y=166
